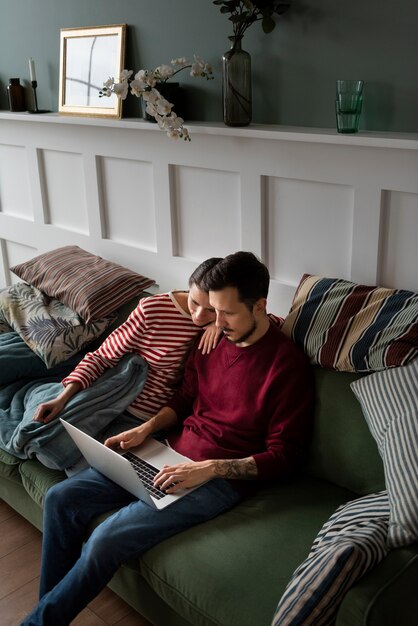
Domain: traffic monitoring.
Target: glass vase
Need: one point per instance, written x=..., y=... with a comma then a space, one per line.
x=236, y=85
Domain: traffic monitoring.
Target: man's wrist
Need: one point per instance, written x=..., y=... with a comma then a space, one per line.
x=238, y=469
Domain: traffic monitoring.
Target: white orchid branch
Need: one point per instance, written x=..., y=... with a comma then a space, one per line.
x=145, y=85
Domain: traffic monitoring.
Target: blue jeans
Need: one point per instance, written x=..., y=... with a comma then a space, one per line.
x=73, y=574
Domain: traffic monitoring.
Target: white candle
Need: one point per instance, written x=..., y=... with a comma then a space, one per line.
x=32, y=69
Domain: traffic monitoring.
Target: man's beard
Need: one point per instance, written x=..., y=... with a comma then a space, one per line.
x=243, y=337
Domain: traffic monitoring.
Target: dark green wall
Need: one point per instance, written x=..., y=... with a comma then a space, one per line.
x=294, y=68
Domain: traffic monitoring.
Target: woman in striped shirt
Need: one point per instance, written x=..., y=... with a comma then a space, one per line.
x=161, y=329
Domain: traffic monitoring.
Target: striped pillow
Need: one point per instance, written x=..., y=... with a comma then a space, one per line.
x=353, y=328
x=349, y=544
x=390, y=405
x=88, y=284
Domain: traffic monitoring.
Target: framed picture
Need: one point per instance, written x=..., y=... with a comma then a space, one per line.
x=88, y=57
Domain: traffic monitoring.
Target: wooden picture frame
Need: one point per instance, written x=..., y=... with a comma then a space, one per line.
x=88, y=57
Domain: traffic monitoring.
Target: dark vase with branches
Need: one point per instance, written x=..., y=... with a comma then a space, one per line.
x=236, y=85
x=236, y=62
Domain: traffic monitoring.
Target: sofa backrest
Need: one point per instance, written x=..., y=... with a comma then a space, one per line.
x=342, y=449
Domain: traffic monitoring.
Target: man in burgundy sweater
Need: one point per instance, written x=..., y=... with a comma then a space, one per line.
x=242, y=415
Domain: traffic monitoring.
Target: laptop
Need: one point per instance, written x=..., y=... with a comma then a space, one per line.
x=132, y=469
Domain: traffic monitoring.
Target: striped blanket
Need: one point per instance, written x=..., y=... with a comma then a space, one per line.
x=349, y=544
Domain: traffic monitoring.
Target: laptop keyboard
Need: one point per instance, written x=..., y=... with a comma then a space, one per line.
x=146, y=473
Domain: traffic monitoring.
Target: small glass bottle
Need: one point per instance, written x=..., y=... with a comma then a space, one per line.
x=16, y=95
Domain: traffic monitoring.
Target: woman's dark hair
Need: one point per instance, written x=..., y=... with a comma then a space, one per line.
x=195, y=279
x=242, y=270
x=201, y=270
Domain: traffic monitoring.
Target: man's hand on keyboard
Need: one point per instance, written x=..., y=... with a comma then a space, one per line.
x=184, y=476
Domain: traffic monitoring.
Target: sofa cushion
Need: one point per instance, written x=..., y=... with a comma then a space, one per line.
x=266, y=535
x=390, y=404
x=9, y=466
x=93, y=287
x=350, y=543
x=386, y=595
x=8, y=459
x=353, y=328
x=342, y=449
x=37, y=479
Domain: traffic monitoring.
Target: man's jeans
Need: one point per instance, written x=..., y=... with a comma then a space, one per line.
x=73, y=574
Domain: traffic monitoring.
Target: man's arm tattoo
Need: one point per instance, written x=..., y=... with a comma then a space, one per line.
x=243, y=469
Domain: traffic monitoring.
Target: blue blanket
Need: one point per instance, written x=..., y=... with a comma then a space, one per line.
x=92, y=409
x=18, y=361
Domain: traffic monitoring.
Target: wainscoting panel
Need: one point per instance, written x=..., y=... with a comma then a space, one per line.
x=15, y=197
x=64, y=188
x=303, y=200
x=299, y=234
x=206, y=212
x=128, y=202
x=13, y=254
x=399, y=243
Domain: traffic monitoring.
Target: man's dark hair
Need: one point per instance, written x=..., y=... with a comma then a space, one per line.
x=242, y=270
x=201, y=270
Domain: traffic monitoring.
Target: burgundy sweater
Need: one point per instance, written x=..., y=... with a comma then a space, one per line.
x=252, y=401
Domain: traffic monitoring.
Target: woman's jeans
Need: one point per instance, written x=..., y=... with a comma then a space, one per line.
x=73, y=574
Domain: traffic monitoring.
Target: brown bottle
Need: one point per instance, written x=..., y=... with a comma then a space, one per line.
x=16, y=95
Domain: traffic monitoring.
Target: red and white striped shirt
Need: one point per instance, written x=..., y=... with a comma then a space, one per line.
x=161, y=332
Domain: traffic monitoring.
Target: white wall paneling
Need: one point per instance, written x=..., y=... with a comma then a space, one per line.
x=206, y=212
x=128, y=209
x=4, y=265
x=15, y=197
x=299, y=234
x=65, y=190
x=14, y=253
x=304, y=200
x=399, y=240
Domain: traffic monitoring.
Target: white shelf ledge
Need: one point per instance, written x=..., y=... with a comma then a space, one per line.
x=255, y=131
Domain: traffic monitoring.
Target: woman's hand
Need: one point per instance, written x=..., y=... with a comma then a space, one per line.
x=184, y=476
x=165, y=418
x=209, y=339
x=47, y=411
x=129, y=438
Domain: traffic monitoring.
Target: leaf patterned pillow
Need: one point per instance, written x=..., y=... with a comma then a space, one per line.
x=51, y=329
x=4, y=326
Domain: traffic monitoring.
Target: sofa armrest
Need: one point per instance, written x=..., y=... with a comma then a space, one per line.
x=386, y=595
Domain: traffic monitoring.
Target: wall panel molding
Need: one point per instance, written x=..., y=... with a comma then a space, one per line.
x=303, y=200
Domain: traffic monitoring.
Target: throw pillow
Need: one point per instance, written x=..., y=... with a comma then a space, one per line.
x=48, y=327
x=389, y=401
x=349, y=544
x=354, y=328
x=91, y=286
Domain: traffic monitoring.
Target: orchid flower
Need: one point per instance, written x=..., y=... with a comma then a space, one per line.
x=144, y=85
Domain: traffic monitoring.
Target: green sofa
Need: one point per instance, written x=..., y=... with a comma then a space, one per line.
x=232, y=571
